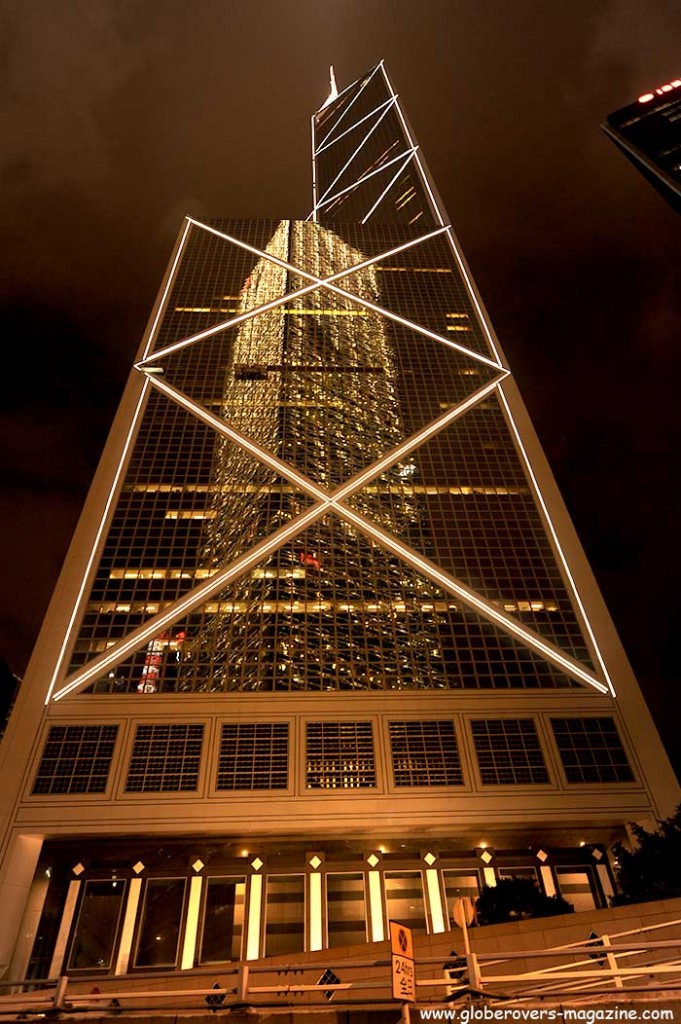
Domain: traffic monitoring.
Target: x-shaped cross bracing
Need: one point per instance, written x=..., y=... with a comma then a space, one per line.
x=324, y=500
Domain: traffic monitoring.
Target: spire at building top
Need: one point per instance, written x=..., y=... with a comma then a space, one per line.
x=333, y=93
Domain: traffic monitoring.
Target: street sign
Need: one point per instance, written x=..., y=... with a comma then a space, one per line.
x=463, y=911
x=402, y=962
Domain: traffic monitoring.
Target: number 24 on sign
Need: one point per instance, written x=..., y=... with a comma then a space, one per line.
x=403, y=977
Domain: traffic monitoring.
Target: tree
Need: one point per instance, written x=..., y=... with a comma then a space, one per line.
x=513, y=899
x=652, y=870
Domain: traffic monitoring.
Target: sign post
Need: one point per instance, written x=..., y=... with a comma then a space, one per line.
x=464, y=914
x=402, y=962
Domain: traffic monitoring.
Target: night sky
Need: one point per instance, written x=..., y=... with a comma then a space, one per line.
x=120, y=116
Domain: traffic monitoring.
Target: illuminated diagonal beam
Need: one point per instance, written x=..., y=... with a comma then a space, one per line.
x=417, y=439
x=252, y=447
x=469, y=597
x=333, y=500
x=412, y=142
x=166, y=291
x=359, y=148
x=556, y=542
x=388, y=187
x=417, y=328
x=98, y=536
x=317, y=283
x=440, y=214
x=183, y=606
x=326, y=145
x=360, y=181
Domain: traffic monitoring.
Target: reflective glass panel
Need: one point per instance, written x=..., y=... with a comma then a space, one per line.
x=223, y=920
x=95, y=935
x=161, y=920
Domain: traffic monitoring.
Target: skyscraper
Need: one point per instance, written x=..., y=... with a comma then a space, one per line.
x=649, y=134
x=325, y=650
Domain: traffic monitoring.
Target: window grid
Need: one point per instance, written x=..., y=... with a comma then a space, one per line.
x=591, y=750
x=253, y=756
x=329, y=386
x=425, y=754
x=508, y=751
x=76, y=759
x=165, y=758
x=340, y=755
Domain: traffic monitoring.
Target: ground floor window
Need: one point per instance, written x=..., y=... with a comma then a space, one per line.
x=223, y=920
x=346, y=909
x=285, y=914
x=95, y=935
x=460, y=884
x=576, y=886
x=159, y=934
x=404, y=899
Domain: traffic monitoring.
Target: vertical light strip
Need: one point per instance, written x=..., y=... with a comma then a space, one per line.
x=254, y=916
x=489, y=877
x=557, y=544
x=125, y=946
x=316, y=925
x=313, y=215
x=388, y=186
x=169, y=283
x=376, y=907
x=192, y=926
x=57, y=962
x=547, y=880
x=98, y=536
x=437, y=917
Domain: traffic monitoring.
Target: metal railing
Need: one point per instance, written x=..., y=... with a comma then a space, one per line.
x=618, y=964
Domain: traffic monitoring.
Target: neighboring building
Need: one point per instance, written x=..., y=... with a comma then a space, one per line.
x=649, y=134
x=325, y=650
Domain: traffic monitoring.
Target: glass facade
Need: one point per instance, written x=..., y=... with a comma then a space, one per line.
x=316, y=393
